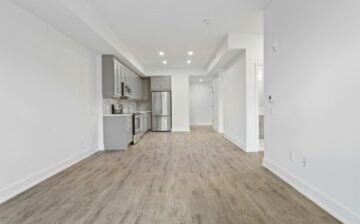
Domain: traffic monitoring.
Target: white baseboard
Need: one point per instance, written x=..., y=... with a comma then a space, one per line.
x=180, y=130
x=218, y=131
x=201, y=124
x=101, y=147
x=330, y=205
x=23, y=185
x=239, y=144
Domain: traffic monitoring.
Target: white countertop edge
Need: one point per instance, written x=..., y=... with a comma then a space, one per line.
x=116, y=115
x=125, y=114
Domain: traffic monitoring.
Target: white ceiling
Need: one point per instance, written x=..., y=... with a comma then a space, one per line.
x=175, y=26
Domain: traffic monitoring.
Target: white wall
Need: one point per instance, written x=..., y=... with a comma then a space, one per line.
x=215, y=100
x=49, y=108
x=201, y=103
x=315, y=80
x=234, y=103
x=248, y=47
x=253, y=44
x=260, y=88
x=218, y=111
x=78, y=20
x=180, y=103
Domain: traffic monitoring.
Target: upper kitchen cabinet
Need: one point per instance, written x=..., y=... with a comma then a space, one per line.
x=161, y=83
x=119, y=81
x=146, y=92
x=111, y=77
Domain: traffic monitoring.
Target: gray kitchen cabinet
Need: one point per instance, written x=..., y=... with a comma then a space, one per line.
x=144, y=122
x=138, y=95
x=136, y=85
x=131, y=83
x=127, y=79
x=139, y=88
x=130, y=129
x=118, y=131
x=133, y=86
x=146, y=92
x=134, y=82
x=114, y=73
x=111, y=77
x=161, y=83
x=148, y=121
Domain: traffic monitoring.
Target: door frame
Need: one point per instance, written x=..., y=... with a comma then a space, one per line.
x=257, y=111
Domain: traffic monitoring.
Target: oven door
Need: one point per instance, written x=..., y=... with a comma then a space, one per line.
x=138, y=128
x=137, y=123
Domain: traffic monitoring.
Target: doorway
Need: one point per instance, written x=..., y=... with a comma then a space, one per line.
x=261, y=100
x=201, y=101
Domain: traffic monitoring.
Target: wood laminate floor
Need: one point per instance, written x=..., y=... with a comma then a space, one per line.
x=167, y=178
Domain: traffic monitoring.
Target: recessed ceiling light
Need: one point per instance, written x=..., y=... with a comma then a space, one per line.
x=161, y=53
x=188, y=61
x=190, y=53
x=201, y=80
x=164, y=62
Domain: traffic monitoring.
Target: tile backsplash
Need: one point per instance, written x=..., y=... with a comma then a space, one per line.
x=128, y=106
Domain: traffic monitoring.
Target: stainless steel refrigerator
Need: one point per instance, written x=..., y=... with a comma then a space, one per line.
x=161, y=111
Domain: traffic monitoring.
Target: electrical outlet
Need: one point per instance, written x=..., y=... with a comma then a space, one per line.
x=304, y=162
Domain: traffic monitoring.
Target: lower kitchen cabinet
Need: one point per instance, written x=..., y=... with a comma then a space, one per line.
x=118, y=131
x=146, y=119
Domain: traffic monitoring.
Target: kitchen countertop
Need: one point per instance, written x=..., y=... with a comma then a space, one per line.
x=125, y=114
x=117, y=115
